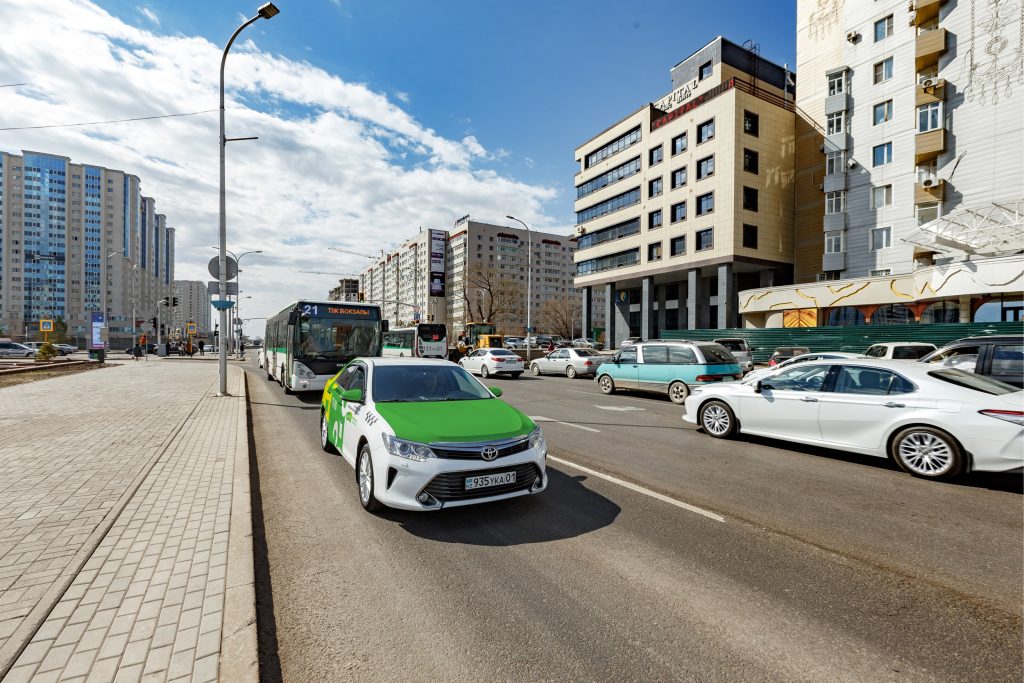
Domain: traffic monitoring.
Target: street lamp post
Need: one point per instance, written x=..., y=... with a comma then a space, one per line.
x=529, y=280
x=238, y=281
x=266, y=11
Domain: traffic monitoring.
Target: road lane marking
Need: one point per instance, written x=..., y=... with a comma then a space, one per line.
x=640, y=489
x=621, y=409
x=618, y=397
x=540, y=418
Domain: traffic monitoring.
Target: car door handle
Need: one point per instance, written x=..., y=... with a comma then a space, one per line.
x=809, y=399
x=893, y=404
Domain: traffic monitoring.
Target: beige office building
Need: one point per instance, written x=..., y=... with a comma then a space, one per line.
x=193, y=307
x=910, y=166
x=77, y=239
x=689, y=199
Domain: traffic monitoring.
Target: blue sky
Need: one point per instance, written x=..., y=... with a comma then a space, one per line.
x=533, y=79
x=375, y=118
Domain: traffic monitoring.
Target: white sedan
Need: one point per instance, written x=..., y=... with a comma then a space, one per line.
x=933, y=422
x=761, y=373
x=487, y=362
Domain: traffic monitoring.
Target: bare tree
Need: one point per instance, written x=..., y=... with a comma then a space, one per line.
x=560, y=316
x=492, y=296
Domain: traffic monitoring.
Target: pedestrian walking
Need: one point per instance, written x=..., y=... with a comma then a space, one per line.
x=190, y=349
x=241, y=350
x=202, y=345
x=136, y=352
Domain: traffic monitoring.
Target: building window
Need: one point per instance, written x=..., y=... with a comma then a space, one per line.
x=705, y=71
x=926, y=213
x=655, y=156
x=881, y=154
x=880, y=273
x=654, y=252
x=751, y=123
x=929, y=117
x=749, y=199
x=829, y=276
x=706, y=167
x=834, y=162
x=749, y=236
x=882, y=112
x=630, y=168
x=881, y=238
x=654, y=187
x=612, y=232
x=750, y=161
x=679, y=212
x=705, y=203
x=678, y=177
x=705, y=239
x=619, y=260
x=835, y=242
x=883, y=28
x=679, y=144
x=705, y=131
x=609, y=205
x=835, y=83
x=678, y=246
x=881, y=196
x=834, y=123
x=615, y=146
x=654, y=219
x=835, y=202
x=883, y=70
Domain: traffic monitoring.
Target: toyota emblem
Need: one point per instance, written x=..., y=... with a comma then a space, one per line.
x=489, y=453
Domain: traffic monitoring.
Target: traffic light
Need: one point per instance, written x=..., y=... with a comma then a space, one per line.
x=166, y=301
x=175, y=301
x=153, y=322
x=362, y=296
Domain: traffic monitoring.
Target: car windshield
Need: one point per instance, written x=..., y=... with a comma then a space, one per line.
x=408, y=383
x=715, y=354
x=969, y=380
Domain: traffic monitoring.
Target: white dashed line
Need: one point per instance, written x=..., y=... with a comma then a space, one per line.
x=639, y=489
x=621, y=409
x=539, y=418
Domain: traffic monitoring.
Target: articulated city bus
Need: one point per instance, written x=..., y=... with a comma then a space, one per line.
x=308, y=342
x=426, y=340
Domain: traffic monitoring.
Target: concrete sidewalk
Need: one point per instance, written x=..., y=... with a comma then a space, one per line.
x=125, y=528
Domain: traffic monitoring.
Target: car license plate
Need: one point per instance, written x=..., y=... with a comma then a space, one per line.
x=486, y=480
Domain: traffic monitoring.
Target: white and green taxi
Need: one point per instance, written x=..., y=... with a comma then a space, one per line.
x=425, y=434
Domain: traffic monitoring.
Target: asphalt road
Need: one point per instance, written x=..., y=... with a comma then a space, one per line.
x=823, y=566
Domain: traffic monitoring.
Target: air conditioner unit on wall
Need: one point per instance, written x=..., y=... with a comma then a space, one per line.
x=928, y=182
x=821, y=187
x=853, y=36
x=851, y=163
x=929, y=82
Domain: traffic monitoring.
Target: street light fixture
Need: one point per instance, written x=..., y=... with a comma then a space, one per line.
x=266, y=11
x=529, y=279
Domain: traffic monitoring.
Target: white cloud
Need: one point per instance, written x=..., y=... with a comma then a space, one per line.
x=149, y=14
x=337, y=163
x=402, y=96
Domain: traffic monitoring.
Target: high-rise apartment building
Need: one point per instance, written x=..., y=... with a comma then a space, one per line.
x=910, y=166
x=77, y=239
x=477, y=271
x=689, y=199
x=347, y=290
x=193, y=307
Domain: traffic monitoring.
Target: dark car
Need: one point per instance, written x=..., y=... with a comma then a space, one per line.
x=784, y=353
x=1000, y=357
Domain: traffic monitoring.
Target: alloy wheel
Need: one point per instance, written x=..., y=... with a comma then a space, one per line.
x=925, y=453
x=715, y=419
x=365, y=479
x=570, y=372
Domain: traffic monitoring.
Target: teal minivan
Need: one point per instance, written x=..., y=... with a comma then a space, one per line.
x=668, y=367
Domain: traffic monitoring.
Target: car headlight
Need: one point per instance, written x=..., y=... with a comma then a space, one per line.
x=410, y=450
x=537, y=439
x=696, y=391
x=302, y=372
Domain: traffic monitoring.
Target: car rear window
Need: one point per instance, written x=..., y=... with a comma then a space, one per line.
x=501, y=352
x=732, y=344
x=969, y=380
x=586, y=352
x=715, y=354
x=911, y=352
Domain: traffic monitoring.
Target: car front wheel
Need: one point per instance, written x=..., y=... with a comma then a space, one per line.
x=364, y=478
x=677, y=392
x=606, y=384
x=927, y=452
x=717, y=419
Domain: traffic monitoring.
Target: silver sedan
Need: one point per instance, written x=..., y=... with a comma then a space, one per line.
x=569, y=362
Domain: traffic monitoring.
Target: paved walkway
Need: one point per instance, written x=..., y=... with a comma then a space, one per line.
x=117, y=492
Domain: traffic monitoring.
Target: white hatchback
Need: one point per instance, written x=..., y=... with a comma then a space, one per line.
x=489, y=361
x=933, y=422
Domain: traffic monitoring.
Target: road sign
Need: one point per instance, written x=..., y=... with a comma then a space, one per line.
x=213, y=288
x=190, y=329
x=232, y=268
x=46, y=326
x=416, y=316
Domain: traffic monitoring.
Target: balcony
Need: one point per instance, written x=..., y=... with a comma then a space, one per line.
x=925, y=10
x=834, y=182
x=928, y=47
x=836, y=261
x=935, y=91
x=931, y=190
x=837, y=141
x=834, y=221
x=929, y=145
x=837, y=103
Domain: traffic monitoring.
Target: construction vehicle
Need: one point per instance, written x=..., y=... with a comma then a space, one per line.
x=474, y=336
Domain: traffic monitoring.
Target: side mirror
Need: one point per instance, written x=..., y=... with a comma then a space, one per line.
x=761, y=386
x=384, y=325
x=293, y=317
x=352, y=395
x=495, y=391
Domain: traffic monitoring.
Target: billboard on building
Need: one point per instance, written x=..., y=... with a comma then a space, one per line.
x=437, y=247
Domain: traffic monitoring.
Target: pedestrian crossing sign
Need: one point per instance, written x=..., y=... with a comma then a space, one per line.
x=46, y=326
x=190, y=329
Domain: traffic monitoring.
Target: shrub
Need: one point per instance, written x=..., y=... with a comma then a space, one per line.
x=47, y=352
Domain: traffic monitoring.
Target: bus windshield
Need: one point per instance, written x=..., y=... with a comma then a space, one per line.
x=337, y=338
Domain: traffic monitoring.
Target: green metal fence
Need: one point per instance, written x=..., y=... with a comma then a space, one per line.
x=854, y=338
